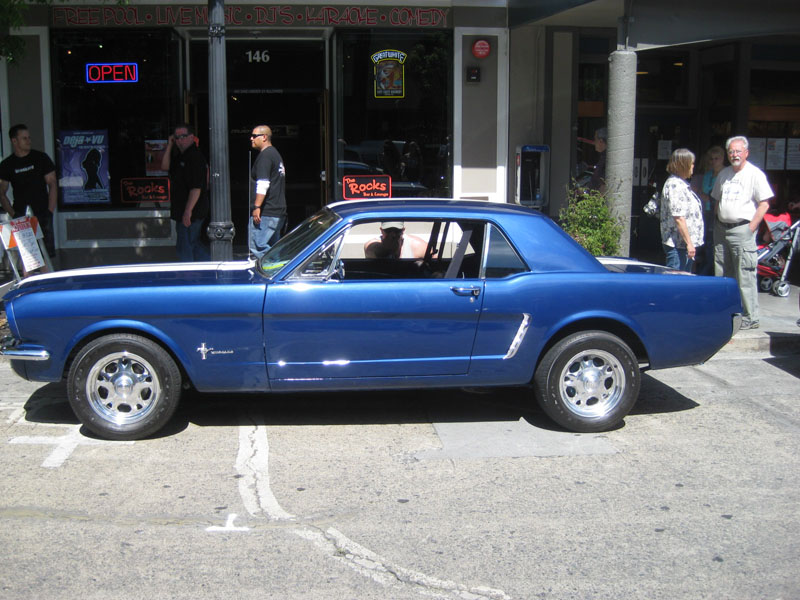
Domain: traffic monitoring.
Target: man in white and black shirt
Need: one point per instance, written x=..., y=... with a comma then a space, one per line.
x=742, y=195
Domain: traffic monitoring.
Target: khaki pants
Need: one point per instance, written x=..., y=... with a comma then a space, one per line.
x=735, y=255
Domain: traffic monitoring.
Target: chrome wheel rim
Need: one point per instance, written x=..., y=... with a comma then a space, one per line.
x=592, y=383
x=122, y=388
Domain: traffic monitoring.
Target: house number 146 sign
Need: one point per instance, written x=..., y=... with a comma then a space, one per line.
x=257, y=56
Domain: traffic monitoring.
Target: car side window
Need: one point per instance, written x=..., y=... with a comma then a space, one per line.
x=412, y=249
x=501, y=258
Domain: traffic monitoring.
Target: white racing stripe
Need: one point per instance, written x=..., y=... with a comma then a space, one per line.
x=252, y=464
x=234, y=265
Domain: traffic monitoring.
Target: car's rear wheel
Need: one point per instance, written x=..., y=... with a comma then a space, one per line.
x=588, y=381
x=124, y=386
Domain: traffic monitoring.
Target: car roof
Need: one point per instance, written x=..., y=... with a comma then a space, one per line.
x=534, y=233
x=429, y=207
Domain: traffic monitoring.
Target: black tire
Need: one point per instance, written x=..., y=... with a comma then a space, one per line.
x=124, y=387
x=588, y=381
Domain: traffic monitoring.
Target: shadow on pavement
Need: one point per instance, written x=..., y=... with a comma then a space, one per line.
x=49, y=405
x=790, y=364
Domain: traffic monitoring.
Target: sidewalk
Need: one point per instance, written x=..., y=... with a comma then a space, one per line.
x=778, y=333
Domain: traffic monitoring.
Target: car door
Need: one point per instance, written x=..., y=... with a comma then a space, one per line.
x=331, y=320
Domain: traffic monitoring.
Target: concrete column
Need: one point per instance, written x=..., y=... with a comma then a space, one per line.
x=621, y=128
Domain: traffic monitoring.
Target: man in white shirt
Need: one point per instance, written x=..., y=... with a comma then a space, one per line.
x=742, y=193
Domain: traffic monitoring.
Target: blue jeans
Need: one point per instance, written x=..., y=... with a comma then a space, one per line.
x=678, y=258
x=190, y=243
x=264, y=235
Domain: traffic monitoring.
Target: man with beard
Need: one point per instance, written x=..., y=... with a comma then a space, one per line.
x=742, y=194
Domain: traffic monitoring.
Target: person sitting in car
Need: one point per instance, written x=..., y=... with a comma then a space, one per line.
x=394, y=243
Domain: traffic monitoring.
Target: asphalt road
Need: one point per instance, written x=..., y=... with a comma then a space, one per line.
x=412, y=495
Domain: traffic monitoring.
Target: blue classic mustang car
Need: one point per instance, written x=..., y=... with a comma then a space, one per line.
x=371, y=295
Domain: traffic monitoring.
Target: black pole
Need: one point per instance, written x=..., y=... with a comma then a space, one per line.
x=220, y=230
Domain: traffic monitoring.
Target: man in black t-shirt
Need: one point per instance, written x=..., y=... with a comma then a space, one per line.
x=32, y=176
x=268, y=198
x=188, y=178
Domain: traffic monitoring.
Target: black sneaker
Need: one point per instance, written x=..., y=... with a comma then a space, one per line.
x=748, y=324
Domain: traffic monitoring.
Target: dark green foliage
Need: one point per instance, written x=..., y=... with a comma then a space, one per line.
x=588, y=219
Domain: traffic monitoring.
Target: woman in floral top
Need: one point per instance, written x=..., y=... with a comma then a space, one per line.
x=681, y=213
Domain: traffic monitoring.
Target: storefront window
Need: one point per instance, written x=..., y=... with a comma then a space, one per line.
x=592, y=101
x=115, y=95
x=394, y=114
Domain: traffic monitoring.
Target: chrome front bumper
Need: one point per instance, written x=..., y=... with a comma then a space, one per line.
x=9, y=348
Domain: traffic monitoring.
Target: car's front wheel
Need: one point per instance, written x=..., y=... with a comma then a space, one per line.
x=124, y=386
x=588, y=381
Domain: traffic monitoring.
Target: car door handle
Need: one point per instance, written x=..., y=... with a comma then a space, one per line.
x=466, y=291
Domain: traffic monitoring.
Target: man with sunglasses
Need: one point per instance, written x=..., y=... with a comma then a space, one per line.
x=268, y=198
x=189, y=206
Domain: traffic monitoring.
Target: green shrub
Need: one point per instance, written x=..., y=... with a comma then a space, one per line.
x=588, y=219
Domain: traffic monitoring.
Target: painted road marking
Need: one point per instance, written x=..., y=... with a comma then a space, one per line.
x=64, y=445
x=229, y=526
x=17, y=411
x=252, y=464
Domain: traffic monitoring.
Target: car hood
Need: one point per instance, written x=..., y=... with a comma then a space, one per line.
x=200, y=273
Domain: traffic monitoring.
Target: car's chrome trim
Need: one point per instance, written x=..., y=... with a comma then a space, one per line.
x=9, y=349
x=517, y=341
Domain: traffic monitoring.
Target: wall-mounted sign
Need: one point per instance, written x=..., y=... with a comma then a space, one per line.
x=356, y=187
x=144, y=189
x=481, y=49
x=83, y=157
x=167, y=14
x=389, y=72
x=112, y=72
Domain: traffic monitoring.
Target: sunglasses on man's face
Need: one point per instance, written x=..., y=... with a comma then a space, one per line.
x=255, y=135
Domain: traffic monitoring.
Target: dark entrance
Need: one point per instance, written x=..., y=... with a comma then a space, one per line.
x=277, y=83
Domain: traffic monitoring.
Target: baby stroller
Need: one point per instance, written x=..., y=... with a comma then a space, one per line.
x=781, y=241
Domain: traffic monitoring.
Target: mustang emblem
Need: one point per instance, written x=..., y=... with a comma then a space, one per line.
x=204, y=351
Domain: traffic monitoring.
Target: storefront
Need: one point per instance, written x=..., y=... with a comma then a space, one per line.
x=361, y=101
x=352, y=94
x=371, y=100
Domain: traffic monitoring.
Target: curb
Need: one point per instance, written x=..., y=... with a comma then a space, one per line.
x=765, y=344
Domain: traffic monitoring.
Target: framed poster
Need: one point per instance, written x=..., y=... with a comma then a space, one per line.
x=389, y=73
x=83, y=156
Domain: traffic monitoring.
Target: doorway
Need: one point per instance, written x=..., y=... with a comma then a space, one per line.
x=279, y=83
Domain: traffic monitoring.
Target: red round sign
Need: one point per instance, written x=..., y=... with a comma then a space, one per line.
x=481, y=49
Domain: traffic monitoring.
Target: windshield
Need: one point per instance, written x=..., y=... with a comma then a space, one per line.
x=297, y=240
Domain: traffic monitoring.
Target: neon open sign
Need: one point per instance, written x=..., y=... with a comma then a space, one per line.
x=112, y=72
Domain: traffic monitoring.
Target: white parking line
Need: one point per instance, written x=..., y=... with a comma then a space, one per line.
x=229, y=526
x=64, y=445
x=252, y=464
